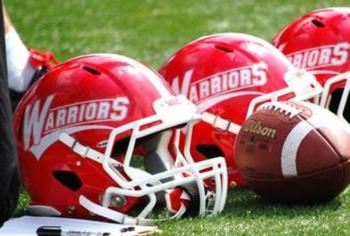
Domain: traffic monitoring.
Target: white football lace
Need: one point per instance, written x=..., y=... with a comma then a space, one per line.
x=287, y=109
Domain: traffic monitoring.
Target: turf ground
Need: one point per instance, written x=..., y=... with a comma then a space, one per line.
x=152, y=30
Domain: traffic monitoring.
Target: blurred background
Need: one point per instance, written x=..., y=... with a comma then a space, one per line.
x=148, y=30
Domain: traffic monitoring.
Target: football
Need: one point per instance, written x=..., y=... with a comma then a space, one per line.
x=294, y=152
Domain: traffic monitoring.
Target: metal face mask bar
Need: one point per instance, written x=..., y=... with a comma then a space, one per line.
x=170, y=113
x=326, y=94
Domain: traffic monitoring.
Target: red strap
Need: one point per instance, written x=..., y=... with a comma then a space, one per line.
x=40, y=59
x=175, y=197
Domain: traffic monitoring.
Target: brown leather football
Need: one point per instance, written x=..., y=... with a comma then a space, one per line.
x=294, y=152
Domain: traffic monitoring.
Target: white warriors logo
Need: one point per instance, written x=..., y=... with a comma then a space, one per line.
x=313, y=58
x=43, y=125
x=222, y=86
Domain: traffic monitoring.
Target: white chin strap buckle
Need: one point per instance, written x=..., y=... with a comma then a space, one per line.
x=78, y=148
x=220, y=123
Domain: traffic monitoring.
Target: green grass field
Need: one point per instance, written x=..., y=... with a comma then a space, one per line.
x=151, y=31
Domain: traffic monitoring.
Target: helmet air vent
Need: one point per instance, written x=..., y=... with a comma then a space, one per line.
x=224, y=47
x=68, y=179
x=91, y=70
x=317, y=23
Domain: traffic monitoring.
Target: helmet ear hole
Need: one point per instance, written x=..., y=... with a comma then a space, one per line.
x=210, y=150
x=318, y=23
x=68, y=179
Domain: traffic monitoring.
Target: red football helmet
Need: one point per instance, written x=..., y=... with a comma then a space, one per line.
x=78, y=128
x=228, y=76
x=319, y=42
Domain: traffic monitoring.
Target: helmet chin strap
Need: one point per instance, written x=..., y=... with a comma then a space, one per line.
x=84, y=151
x=78, y=148
x=123, y=218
